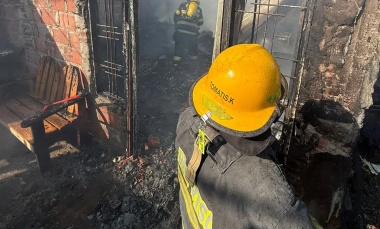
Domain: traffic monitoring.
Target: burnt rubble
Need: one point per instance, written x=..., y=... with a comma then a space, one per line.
x=151, y=194
x=94, y=188
x=326, y=134
x=151, y=185
x=368, y=147
x=370, y=133
x=151, y=199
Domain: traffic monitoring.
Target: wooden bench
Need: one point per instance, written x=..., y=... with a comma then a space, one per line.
x=33, y=117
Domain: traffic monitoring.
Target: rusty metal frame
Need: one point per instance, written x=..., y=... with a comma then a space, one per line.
x=288, y=127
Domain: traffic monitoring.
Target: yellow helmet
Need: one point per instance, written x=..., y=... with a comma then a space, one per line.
x=192, y=8
x=239, y=94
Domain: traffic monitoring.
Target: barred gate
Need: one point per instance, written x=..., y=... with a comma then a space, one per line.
x=114, y=28
x=282, y=27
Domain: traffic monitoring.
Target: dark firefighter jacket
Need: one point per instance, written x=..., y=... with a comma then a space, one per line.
x=237, y=186
x=185, y=24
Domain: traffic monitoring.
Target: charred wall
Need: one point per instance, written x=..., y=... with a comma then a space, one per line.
x=341, y=68
x=343, y=53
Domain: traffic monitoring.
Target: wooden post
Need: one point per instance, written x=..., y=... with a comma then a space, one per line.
x=228, y=22
x=237, y=17
x=218, y=30
x=41, y=149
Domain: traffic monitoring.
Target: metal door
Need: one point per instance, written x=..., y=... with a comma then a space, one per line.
x=114, y=35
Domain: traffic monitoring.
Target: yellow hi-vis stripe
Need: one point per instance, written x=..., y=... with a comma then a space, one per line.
x=177, y=58
x=187, y=198
x=187, y=32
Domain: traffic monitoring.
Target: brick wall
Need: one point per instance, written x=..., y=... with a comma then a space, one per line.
x=110, y=123
x=47, y=27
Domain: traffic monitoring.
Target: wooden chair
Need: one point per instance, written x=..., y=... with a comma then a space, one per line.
x=57, y=102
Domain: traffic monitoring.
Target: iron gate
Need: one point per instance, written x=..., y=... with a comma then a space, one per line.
x=282, y=27
x=114, y=35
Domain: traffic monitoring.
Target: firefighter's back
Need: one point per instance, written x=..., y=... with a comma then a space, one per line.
x=236, y=189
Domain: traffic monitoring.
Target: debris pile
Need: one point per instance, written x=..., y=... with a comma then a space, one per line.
x=151, y=193
x=94, y=188
x=370, y=133
x=369, y=146
x=326, y=134
x=164, y=93
x=68, y=196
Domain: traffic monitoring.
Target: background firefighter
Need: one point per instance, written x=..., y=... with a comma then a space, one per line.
x=187, y=18
x=227, y=169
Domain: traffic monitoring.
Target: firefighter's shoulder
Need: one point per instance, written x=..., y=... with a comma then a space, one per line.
x=183, y=5
x=262, y=187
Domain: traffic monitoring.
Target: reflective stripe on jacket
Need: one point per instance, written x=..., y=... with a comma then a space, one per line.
x=234, y=189
x=187, y=24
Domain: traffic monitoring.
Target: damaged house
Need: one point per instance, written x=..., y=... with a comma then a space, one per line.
x=70, y=69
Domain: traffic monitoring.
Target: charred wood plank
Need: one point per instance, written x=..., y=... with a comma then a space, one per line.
x=12, y=122
x=45, y=75
x=40, y=72
x=50, y=79
x=23, y=112
x=57, y=83
x=61, y=90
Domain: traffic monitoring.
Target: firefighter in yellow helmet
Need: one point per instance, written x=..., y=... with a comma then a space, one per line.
x=187, y=18
x=228, y=173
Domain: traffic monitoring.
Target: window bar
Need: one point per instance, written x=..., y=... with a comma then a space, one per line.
x=113, y=74
x=291, y=77
x=114, y=48
x=111, y=45
x=266, y=25
x=283, y=58
x=113, y=63
x=253, y=22
x=107, y=42
x=253, y=12
x=107, y=26
x=109, y=38
x=289, y=6
x=111, y=32
x=105, y=66
x=274, y=29
x=258, y=20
